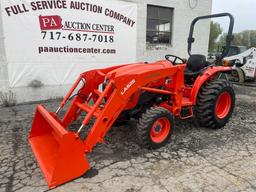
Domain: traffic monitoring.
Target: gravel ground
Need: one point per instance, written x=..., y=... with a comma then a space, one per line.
x=196, y=159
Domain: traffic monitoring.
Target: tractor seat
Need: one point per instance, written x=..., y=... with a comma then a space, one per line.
x=195, y=65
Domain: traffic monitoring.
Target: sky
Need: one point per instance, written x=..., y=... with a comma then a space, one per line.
x=244, y=12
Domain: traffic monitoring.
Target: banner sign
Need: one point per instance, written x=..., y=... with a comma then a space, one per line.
x=53, y=41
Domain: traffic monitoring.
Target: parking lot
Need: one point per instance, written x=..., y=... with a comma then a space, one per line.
x=196, y=159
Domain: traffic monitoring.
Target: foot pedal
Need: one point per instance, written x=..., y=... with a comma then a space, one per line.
x=186, y=112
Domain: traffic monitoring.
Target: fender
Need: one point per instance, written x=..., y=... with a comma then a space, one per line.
x=201, y=79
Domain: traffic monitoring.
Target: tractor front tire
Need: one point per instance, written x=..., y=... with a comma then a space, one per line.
x=238, y=75
x=215, y=104
x=155, y=127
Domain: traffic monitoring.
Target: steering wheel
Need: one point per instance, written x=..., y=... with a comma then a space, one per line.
x=175, y=58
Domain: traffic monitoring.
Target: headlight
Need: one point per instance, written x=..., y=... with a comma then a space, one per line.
x=225, y=63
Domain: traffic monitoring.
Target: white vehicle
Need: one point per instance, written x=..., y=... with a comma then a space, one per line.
x=244, y=64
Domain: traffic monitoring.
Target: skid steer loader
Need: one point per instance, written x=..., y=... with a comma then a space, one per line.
x=243, y=64
x=153, y=93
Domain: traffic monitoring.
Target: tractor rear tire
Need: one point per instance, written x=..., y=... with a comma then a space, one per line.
x=215, y=104
x=155, y=127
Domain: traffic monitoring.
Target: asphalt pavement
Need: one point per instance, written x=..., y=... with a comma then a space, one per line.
x=196, y=159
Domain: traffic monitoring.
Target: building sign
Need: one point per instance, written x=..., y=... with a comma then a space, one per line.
x=55, y=40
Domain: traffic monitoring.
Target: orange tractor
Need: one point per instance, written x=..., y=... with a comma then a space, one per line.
x=153, y=93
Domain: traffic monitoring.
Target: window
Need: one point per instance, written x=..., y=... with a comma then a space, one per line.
x=159, y=25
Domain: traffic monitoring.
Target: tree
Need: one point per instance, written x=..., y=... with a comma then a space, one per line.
x=245, y=38
x=215, y=32
x=222, y=42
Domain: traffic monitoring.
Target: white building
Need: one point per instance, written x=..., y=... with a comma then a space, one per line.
x=44, y=45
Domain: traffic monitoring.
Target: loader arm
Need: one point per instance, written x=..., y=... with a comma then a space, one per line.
x=122, y=85
x=248, y=53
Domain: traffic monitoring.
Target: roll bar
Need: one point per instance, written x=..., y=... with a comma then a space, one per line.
x=229, y=38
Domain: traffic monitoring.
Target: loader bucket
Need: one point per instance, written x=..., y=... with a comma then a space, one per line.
x=60, y=153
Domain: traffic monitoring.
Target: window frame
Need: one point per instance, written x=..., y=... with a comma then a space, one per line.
x=160, y=20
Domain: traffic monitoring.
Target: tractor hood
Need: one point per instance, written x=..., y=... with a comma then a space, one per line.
x=139, y=68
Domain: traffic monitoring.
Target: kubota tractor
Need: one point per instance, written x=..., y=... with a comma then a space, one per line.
x=152, y=93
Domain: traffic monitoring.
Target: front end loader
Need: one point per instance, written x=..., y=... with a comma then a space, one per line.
x=153, y=93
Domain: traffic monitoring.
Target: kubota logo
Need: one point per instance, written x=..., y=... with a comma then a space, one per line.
x=128, y=86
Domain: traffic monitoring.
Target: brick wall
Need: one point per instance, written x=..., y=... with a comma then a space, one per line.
x=183, y=15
